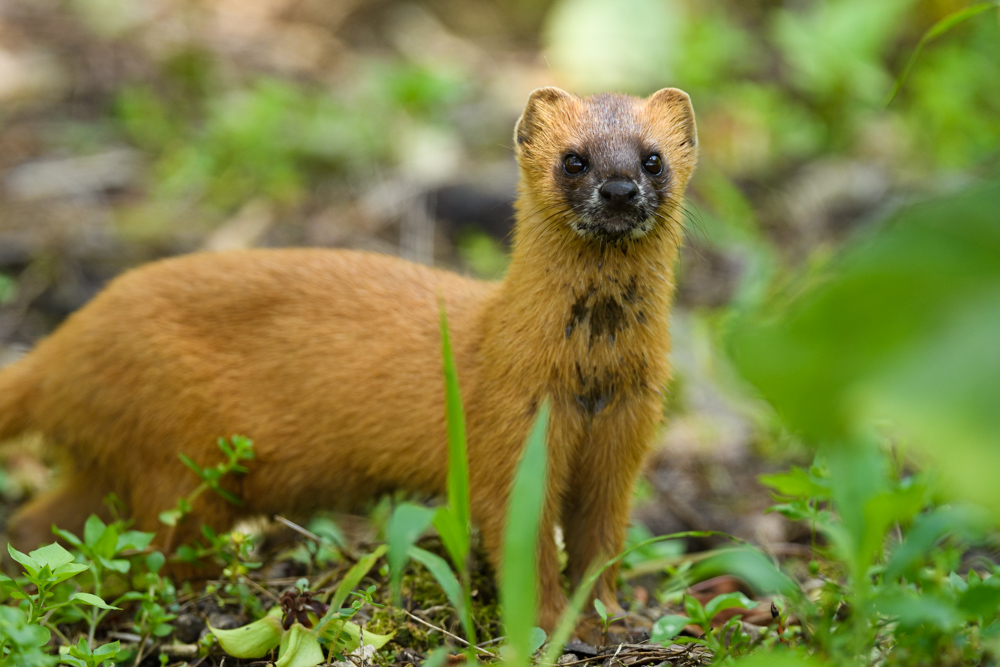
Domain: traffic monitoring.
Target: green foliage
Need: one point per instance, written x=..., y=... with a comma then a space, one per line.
x=900, y=332
x=904, y=591
x=105, y=545
x=21, y=641
x=302, y=627
x=28, y=627
x=518, y=580
x=941, y=27
x=81, y=655
x=236, y=449
x=909, y=315
x=452, y=520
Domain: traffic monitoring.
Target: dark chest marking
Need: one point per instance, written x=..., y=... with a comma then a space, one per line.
x=607, y=313
x=600, y=315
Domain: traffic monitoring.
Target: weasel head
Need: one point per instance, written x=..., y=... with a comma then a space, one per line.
x=608, y=167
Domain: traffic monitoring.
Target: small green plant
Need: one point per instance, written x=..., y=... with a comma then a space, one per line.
x=726, y=640
x=233, y=550
x=236, y=449
x=22, y=642
x=451, y=520
x=104, y=545
x=302, y=626
x=29, y=626
x=518, y=587
x=606, y=619
x=81, y=655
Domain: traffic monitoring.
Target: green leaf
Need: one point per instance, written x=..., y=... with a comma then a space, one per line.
x=253, y=640
x=883, y=297
x=927, y=529
x=189, y=462
x=93, y=600
x=299, y=648
x=602, y=611
x=913, y=611
x=93, y=529
x=64, y=572
x=751, y=566
x=942, y=26
x=518, y=593
x=668, y=627
x=437, y=658
x=438, y=567
x=354, y=577
x=115, y=564
x=797, y=483
x=454, y=537
x=407, y=523
x=538, y=637
x=980, y=603
x=155, y=561
x=67, y=536
x=727, y=600
x=696, y=612
x=942, y=394
x=14, y=624
x=170, y=517
x=133, y=539
x=109, y=650
x=779, y=657
x=27, y=561
x=52, y=555
x=458, y=462
x=351, y=635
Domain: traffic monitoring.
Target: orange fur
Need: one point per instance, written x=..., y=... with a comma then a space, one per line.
x=330, y=361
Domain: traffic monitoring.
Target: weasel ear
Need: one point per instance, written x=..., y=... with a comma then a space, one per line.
x=675, y=105
x=537, y=113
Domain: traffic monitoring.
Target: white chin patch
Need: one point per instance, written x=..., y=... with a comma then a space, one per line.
x=636, y=232
x=641, y=229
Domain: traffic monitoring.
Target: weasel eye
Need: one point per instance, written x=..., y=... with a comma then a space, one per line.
x=653, y=165
x=574, y=164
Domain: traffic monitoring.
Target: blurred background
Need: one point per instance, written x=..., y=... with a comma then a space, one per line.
x=137, y=129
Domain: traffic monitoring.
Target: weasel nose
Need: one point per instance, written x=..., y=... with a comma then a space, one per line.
x=619, y=191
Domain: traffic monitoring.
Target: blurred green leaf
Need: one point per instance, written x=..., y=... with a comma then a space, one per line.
x=518, y=594
x=751, y=566
x=458, y=461
x=797, y=482
x=299, y=648
x=253, y=640
x=912, y=610
x=885, y=295
x=407, y=523
x=354, y=577
x=668, y=627
x=438, y=567
x=942, y=26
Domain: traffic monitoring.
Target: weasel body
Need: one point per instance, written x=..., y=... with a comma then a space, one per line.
x=330, y=360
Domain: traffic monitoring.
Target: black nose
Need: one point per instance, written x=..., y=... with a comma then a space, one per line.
x=618, y=192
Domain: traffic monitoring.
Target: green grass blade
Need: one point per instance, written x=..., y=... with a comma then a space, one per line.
x=354, y=577
x=518, y=592
x=936, y=30
x=454, y=538
x=405, y=525
x=458, y=462
x=439, y=569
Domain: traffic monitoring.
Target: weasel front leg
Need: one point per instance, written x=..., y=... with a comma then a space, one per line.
x=595, y=512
